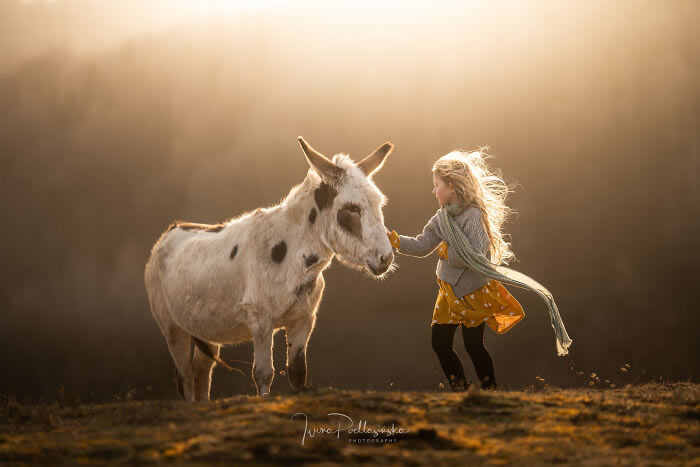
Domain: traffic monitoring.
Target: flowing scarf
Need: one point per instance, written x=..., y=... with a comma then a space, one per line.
x=481, y=264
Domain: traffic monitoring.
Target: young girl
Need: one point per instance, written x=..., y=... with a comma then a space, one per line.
x=475, y=197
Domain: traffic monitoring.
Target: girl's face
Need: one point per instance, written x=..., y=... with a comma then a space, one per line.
x=444, y=192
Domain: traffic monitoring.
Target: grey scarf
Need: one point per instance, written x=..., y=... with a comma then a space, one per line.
x=481, y=264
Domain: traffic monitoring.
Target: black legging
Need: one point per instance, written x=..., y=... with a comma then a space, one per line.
x=443, y=336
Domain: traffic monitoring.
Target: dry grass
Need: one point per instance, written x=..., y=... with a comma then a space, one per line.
x=655, y=423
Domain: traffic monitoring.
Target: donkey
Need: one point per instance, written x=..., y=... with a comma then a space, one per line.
x=250, y=276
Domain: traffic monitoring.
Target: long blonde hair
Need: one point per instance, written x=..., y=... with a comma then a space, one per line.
x=475, y=184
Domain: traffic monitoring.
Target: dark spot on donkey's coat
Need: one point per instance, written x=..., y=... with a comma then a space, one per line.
x=312, y=216
x=234, y=251
x=306, y=287
x=279, y=251
x=324, y=195
x=350, y=221
x=310, y=260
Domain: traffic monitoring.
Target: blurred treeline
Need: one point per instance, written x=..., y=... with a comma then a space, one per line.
x=592, y=110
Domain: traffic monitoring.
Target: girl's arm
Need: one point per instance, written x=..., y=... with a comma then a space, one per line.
x=477, y=236
x=421, y=245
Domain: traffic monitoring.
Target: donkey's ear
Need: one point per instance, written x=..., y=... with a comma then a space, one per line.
x=325, y=168
x=374, y=161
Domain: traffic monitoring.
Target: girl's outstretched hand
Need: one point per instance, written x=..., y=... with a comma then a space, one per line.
x=393, y=238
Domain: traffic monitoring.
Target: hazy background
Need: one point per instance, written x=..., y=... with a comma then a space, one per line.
x=117, y=117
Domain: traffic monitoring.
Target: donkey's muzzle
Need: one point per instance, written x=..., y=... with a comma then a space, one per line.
x=384, y=263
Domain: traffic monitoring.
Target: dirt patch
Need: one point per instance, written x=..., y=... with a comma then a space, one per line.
x=646, y=424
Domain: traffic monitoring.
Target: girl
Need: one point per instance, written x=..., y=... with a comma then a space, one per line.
x=475, y=198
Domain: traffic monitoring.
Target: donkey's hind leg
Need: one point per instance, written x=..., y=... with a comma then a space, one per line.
x=180, y=346
x=179, y=341
x=202, y=367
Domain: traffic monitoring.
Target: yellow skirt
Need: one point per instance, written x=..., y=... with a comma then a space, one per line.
x=492, y=304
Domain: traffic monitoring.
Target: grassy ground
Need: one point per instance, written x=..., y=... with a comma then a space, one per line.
x=656, y=423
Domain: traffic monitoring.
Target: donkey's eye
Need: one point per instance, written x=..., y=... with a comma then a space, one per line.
x=353, y=208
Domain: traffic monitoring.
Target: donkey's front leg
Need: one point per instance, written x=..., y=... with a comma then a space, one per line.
x=263, y=369
x=297, y=339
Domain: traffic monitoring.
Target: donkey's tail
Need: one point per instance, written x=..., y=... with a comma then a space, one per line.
x=206, y=350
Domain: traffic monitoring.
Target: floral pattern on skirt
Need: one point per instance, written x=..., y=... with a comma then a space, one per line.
x=491, y=303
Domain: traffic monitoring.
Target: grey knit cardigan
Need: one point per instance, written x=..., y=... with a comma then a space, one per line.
x=453, y=271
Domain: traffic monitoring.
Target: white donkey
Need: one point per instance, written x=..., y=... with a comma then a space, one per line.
x=246, y=278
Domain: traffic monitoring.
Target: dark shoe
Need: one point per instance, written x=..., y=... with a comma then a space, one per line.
x=489, y=384
x=461, y=386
